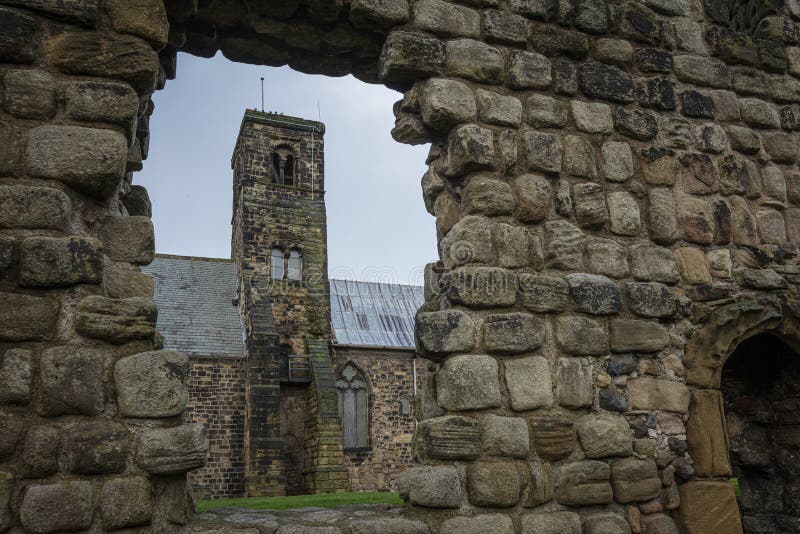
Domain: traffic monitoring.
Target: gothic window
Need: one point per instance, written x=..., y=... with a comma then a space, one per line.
x=276, y=261
x=283, y=166
x=295, y=271
x=353, y=408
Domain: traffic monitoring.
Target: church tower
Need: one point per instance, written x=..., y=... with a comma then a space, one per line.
x=279, y=243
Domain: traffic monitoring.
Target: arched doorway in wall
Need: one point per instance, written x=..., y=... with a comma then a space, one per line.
x=761, y=397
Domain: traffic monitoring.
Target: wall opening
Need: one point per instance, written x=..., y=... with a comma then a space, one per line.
x=761, y=391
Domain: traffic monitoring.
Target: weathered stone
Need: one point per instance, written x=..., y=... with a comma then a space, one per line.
x=654, y=394
x=603, y=435
x=148, y=20
x=639, y=24
x=8, y=247
x=30, y=94
x=126, y=502
x=760, y=279
x=122, y=281
x=696, y=104
x=615, y=51
x=563, y=198
x=573, y=383
x=494, y=484
x=699, y=174
x=476, y=524
x=606, y=523
x=720, y=263
x=529, y=70
x=540, y=485
x=470, y=239
x=656, y=93
x=584, y=483
x=659, y=166
x=166, y=451
x=470, y=148
x=543, y=294
x=561, y=522
x=711, y=138
x=90, y=160
x=116, y=321
x=774, y=186
x=781, y=147
x=97, y=447
x=468, y=383
x=709, y=506
x=448, y=438
x=27, y=317
x=446, y=19
x=623, y=212
x=677, y=133
x=502, y=27
x=433, y=487
x=534, y=198
x=64, y=506
x=658, y=524
x=706, y=436
x=474, y=60
x=152, y=384
x=635, y=480
x=565, y=77
x=594, y=294
x=487, y=196
x=592, y=117
x=696, y=217
x=119, y=57
x=553, y=437
x=23, y=206
x=652, y=60
x=504, y=436
x=512, y=333
x=551, y=40
x=408, y=56
x=18, y=36
x=744, y=224
x=734, y=175
x=618, y=161
x=692, y=265
x=744, y=139
x=40, y=451
x=498, y=109
x=444, y=332
x=607, y=258
x=445, y=103
x=60, y=262
x=702, y=71
x=637, y=336
x=654, y=264
x=369, y=14
x=598, y=80
x=581, y=336
x=547, y=112
x=529, y=383
x=663, y=216
x=612, y=399
x=771, y=226
x=650, y=299
x=512, y=244
x=759, y=114
x=590, y=205
x=579, y=157
x=380, y=525
x=564, y=245
x=641, y=125
x=542, y=151
x=483, y=287
x=15, y=377
x=71, y=381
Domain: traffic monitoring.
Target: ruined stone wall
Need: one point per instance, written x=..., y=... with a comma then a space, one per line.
x=217, y=401
x=390, y=378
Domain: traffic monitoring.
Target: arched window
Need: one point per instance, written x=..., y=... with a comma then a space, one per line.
x=353, y=408
x=283, y=166
x=277, y=268
x=295, y=270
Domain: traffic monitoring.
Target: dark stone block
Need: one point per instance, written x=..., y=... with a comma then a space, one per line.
x=611, y=399
x=448, y=438
x=18, y=37
x=598, y=80
x=81, y=11
x=697, y=104
x=594, y=294
x=634, y=123
x=656, y=93
x=723, y=225
x=621, y=364
x=553, y=41
x=553, y=437
x=639, y=24
x=734, y=176
x=790, y=117
x=565, y=77
x=97, y=447
x=409, y=56
x=651, y=60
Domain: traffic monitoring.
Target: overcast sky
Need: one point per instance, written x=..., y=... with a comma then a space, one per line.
x=377, y=224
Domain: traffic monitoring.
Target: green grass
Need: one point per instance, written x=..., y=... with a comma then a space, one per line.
x=326, y=500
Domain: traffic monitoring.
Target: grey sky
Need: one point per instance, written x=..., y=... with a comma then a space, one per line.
x=377, y=224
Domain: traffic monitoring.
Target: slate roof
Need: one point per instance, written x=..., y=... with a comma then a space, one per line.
x=196, y=314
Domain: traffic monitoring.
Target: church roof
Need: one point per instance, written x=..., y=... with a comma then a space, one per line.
x=197, y=314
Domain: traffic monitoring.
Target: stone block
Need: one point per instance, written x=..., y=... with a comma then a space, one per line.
x=744, y=139
x=734, y=175
x=512, y=333
x=677, y=133
x=618, y=161
x=581, y=336
x=547, y=112
x=760, y=279
x=498, y=109
x=481, y=287
x=540, y=485
x=534, y=196
x=470, y=239
x=603, y=435
x=15, y=377
x=431, y=486
x=543, y=294
x=771, y=227
x=128, y=239
x=774, y=185
x=561, y=522
x=706, y=436
x=515, y=246
x=696, y=217
x=696, y=104
x=659, y=166
x=759, y=114
x=709, y=506
x=468, y=383
x=634, y=123
x=635, y=480
x=487, y=196
x=126, y=502
x=64, y=506
x=656, y=93
x=30, y=94
x=381, y=525
x=623, y=211
x=497, y=485
x=102, y=101
x=408, y=56
x=6, y=489
x=478, y=524
x=553, y=437
x=585, y=483
x=650, y=299
x=87, y=159
x=692, y=265
x=606, y=523
x=122, y=281
x=146, y=19
x=605, y=82
x=590, y=205
x=25, y=207
x=654, y=264
x=744, y=223
x=655, y=394
x=116, y=321
x=369, y=14
x=96, y=447
x=720, y=263
x=27, y=317
x=474, y=60
x=470, y=148
x=712, y=138
x=529, y=381
x=71, y=382
x=529, y=70
x=579, y=158
x=172, y=451
x=542, y=151
x=594, y=294
x=564, y=245
x=19, y=36
x=699, y=175
x=120, y=57
x=152, y=384
x=592, y=117
x=448, y=438
x=615, y=51
x=446, y=19
x=551, y=40
x=781, y=147
x=702, y=71
x=40, y=451
x=508, y=28
x=573, y=383
x=653, y=60
x=607, y=258
x=60, y=262
x=565, y=77
x=444, y=332
x=629, y=335
x=445, y=103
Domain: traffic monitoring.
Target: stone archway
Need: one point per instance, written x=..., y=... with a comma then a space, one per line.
x=708, y=503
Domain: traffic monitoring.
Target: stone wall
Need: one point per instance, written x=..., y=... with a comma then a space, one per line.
x=217, y=401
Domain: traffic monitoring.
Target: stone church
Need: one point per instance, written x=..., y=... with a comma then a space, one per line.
x=305, y=384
